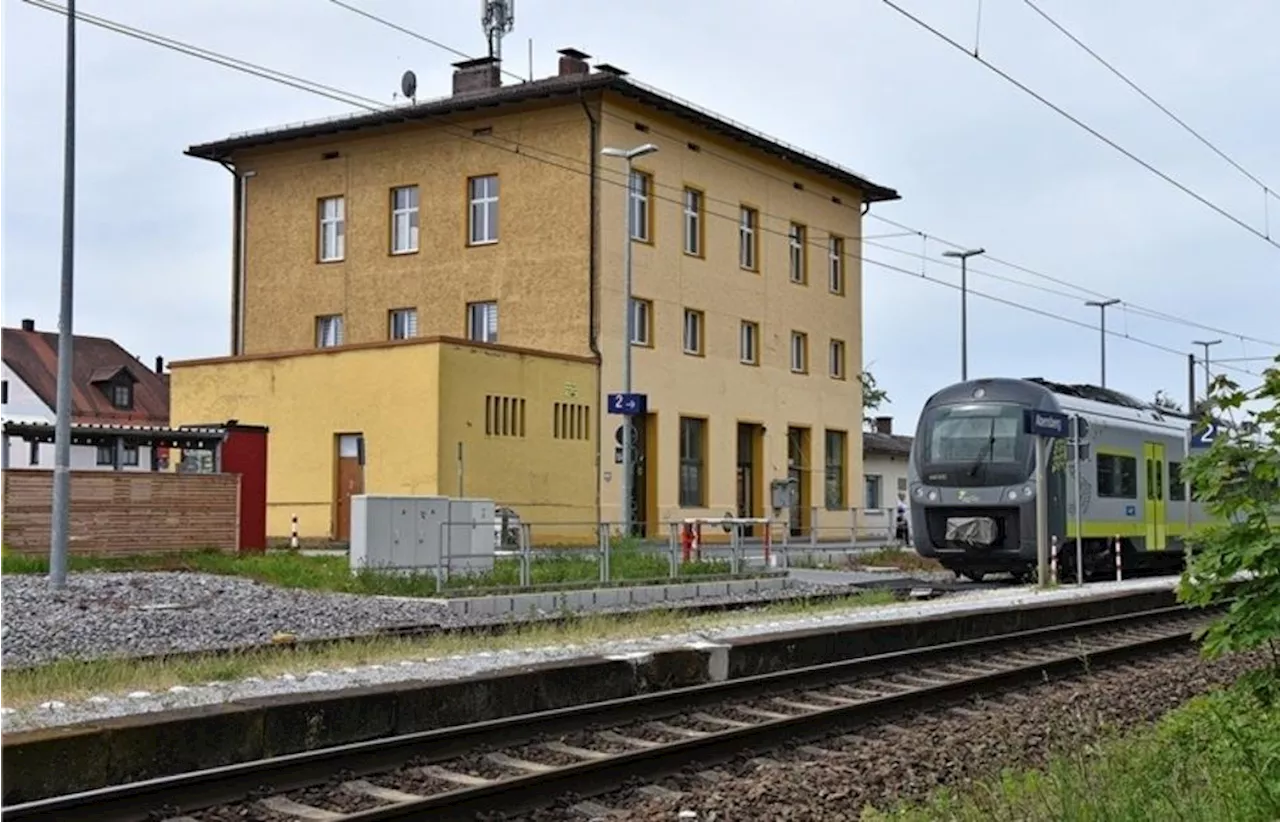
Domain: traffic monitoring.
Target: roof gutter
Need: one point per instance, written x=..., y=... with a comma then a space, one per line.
x=239, y=247
x=593, y=331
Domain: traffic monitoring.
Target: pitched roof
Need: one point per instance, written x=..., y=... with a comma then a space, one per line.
x=563, y=86
x=890, y=444
x=33, y=356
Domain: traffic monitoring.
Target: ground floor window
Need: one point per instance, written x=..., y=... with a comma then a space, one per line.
x=874, y=492
x=693, y=484
x=835, y=459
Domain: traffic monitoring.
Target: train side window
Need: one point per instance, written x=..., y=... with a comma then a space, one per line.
x=1117, y=476
x=1177, y=491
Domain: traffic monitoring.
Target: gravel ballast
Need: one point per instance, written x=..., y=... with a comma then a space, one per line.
x=909, y=757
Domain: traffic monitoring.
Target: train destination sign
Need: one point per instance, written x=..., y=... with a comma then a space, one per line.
x=1045, y=423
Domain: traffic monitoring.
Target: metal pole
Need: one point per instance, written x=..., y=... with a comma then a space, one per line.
x=1042, y=509
x=1102, y=305
x=1208, y=378
x=627, y=427
x=964, y=319
x=1186, y=445
x=62, y=428
x=1079, y=515
x=964, y=305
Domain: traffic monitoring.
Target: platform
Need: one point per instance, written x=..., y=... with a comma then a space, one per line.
x=243, y=721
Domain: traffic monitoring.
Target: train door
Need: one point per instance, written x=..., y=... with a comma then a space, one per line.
x=1156, y=513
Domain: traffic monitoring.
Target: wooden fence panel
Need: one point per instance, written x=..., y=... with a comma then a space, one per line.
x=114, y=513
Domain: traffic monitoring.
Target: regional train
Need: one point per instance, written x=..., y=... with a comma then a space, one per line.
x=971, y=479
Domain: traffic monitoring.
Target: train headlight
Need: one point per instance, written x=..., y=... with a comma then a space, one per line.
x=1027, y=491
x=933, y=496
x=1013, y=493
x=919, y=492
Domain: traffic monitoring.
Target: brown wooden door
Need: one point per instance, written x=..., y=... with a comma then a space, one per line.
x=350, y=481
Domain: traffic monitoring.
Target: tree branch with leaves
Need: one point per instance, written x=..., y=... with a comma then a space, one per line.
x=1237, y=555
x=872, y=396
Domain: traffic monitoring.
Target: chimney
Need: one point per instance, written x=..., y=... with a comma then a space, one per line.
x=159, y=365
x=573, y=61
x=884, y=425
x=28, y=325
x=480, y=74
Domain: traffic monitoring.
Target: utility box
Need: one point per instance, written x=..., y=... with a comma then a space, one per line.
x=418, y=534
x=471, y=535
x=784, y=493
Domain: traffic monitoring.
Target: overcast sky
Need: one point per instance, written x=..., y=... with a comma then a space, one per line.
x=977, y=161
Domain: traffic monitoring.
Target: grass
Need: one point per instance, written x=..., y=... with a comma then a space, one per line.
x=332, y=573
x=73, y=680
x=1216, y=759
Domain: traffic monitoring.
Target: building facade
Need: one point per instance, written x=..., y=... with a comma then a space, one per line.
x=491, y=218
x=110, y=388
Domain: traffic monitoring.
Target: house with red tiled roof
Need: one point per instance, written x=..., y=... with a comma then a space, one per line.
x=110, y=387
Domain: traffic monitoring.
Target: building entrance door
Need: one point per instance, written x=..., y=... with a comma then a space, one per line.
x=349, y=482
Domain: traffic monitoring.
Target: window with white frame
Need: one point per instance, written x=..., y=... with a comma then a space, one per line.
x=482, y=321
x=333, y=229
x=693, y=222
x=799, y=352
x=749, y=343
x=640, y=188
x=402, y=324
x=874, y=497
x=404, y=220
x=483, y=212
x=693, y=321
x=835, y=359
x=641, y=321
x=748, y=222
x=329, y=331
x=835, y=265
x=796, y=244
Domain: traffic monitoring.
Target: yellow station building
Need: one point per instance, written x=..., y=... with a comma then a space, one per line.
x=429, y=300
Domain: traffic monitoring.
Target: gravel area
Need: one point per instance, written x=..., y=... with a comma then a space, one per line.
x=98, y=613
x=908, y=757
x=144, y=613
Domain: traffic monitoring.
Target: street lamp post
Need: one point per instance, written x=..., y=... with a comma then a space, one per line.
x=1207, y=377
x=964, y=305
x=628, y=427
x=1102, y=306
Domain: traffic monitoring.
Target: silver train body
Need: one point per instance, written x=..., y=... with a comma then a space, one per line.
x=972, y=478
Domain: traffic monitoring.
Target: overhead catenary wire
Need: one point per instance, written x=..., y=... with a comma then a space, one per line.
x=1090, y=129
x=522, y=151
x=1141, y=310
x=1266, y=189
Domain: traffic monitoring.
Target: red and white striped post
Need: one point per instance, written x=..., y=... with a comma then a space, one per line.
x=1053, y=558
x=1119, y=572
x=293, y=534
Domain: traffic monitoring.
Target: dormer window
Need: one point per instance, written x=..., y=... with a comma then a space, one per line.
x=122, y=395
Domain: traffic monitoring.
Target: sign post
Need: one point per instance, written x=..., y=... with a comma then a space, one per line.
x=629, y=405
x=1046, y=426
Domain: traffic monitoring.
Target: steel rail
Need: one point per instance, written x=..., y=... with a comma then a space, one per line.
x=234, y=783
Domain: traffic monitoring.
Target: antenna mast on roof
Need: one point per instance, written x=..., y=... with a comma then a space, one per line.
x=497, y=18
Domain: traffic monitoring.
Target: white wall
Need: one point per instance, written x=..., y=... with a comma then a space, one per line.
x=892, y=471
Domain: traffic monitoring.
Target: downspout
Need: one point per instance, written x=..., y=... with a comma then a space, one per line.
x=593, y=334
x=240, y=194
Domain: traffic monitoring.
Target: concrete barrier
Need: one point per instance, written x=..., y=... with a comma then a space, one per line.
x=601, y=598
x=42, y=763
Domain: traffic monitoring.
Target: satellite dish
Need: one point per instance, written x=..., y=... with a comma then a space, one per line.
x=409, y=84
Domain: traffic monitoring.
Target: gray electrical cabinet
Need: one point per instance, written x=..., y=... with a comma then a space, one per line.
x=417, y=534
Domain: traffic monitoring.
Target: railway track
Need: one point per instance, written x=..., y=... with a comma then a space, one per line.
x=520, y=763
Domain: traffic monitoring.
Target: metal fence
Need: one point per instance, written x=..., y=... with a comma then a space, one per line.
x=513, y=553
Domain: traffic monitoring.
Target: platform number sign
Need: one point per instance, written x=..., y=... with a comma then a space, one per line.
x=1205, y=433
x=628, y=405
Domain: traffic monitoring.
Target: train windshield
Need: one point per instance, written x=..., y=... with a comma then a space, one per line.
x=974, y=444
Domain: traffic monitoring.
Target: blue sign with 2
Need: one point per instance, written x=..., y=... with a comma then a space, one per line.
x=628, y=404
x=1045, y=423
x=1205, y=432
